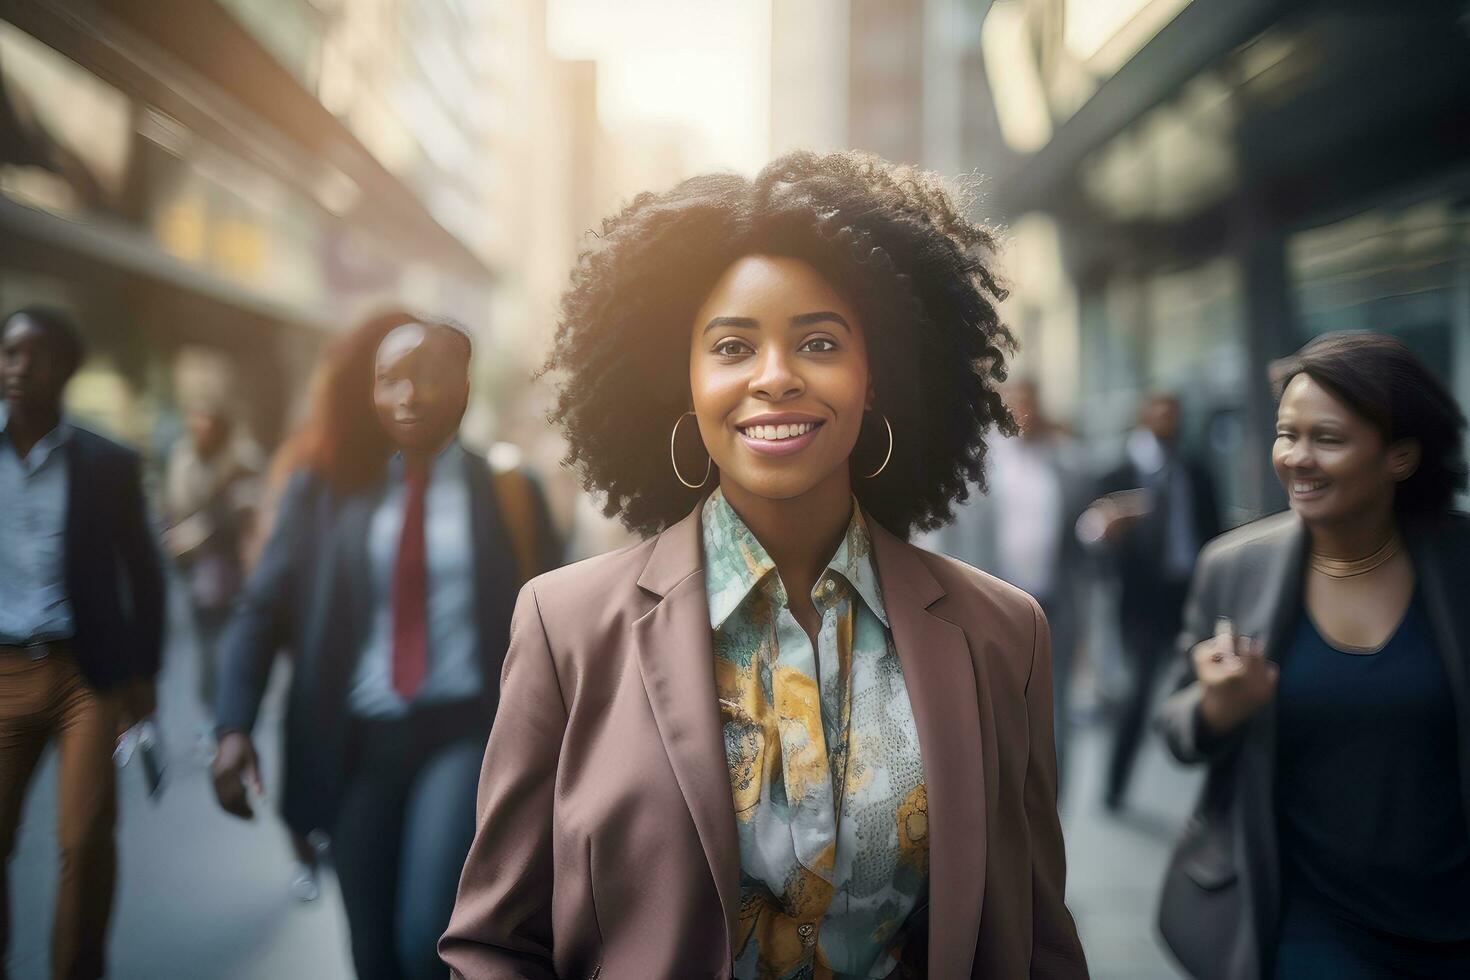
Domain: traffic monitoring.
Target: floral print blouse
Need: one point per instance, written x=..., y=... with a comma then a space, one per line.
x=824, y=760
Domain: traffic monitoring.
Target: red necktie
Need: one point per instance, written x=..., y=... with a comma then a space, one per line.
x=410, y=589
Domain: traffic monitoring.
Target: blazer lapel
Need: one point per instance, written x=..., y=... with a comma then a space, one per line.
x=345, y=600
x=676, y=658
x=356, y=567
x=1281, y=587
x=943, y=691
x=1280, y=592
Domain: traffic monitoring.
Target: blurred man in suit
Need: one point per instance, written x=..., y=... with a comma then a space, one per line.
x=1154, y=512
x=81, y=623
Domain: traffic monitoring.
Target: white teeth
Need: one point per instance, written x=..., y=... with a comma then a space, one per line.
x=778, y=432
x=1307, y=486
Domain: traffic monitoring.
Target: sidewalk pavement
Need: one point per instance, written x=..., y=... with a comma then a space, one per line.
x=1115, y=862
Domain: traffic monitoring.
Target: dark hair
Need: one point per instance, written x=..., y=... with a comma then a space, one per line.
x=1381, y=380
x=59, y=326
x=889, y=238
x=341, y=439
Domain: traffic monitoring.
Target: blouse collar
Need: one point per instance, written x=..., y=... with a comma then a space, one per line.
x=736, y=563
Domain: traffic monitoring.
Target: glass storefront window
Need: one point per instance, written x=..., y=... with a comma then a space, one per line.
x=1403, y=271
x=68, y=134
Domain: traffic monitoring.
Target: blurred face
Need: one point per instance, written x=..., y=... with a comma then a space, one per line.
x=31, y=368
x=1335, y=465
x=207, y=431
x=421, y=387
x=778, y=368
x=1161, y=417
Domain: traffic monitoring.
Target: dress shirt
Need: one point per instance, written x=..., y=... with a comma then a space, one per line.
x=34, y=604
x=454, y=669
x=828, y=784
x=1169, y=486
x=1027, y=490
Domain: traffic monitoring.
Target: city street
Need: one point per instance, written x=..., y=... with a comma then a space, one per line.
x=203, y=896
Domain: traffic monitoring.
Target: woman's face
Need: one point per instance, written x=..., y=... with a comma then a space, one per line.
x=420, y=388
x=1335, y=465
x=778, y=368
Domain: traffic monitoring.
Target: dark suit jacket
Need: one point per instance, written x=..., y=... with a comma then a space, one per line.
x=114, y=574
x=311, y=593
x=1254, y=575
x=606, y=841
x=1139, y=554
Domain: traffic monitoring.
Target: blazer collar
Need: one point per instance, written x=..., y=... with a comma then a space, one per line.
x=675, y=557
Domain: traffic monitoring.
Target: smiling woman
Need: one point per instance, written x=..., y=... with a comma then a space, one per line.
x=1330, y=692
x=775, y=739
x=885, y=246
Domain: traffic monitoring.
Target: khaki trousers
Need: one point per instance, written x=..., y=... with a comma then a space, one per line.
x=47, y=699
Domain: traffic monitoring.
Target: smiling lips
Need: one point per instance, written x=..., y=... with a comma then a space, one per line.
x=1306, y=488
x=779, y=436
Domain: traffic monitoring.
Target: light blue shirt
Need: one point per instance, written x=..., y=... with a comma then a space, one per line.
x=449, y=549
x=34, y=605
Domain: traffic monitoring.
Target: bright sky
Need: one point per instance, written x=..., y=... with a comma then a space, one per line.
x=698, y=63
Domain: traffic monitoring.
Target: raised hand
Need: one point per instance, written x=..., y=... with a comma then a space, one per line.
x=1237, y=678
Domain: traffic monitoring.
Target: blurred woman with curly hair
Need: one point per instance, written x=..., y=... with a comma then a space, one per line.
x=388, y=576
x=774, y=739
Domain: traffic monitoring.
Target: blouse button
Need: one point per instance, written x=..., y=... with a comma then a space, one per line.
x=806, y=930
x=828, y=586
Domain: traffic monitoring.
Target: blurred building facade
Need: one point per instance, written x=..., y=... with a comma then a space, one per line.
x=1190, y=188
x=247, y=176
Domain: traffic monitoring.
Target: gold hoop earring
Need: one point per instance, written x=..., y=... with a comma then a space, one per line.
x=675, y=461
x=886, y=458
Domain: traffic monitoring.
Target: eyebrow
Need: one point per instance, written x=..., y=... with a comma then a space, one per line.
x=800, y=320
x=821, y=316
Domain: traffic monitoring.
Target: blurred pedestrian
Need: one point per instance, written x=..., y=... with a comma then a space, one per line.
x=1154, y=512
x=81, y=625
x=1329, y=691
x=211, y=492
x=1021, y=532
x=390, y=572
x=775, y=739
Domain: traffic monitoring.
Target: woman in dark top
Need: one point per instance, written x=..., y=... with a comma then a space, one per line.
x=1330, y=649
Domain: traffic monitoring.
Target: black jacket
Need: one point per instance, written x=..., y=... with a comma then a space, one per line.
x=1254, y=575
x=1138, y=555
x=311, y=594
x=114, y=573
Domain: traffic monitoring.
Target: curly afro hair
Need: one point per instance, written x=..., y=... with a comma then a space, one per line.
x=890, y=238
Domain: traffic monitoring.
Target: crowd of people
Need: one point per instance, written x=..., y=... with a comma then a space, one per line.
x=786, y=734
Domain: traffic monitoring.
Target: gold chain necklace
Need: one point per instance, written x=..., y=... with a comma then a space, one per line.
x=1352, y=567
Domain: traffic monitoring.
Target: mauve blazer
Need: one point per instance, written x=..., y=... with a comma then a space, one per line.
x=605, y=840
